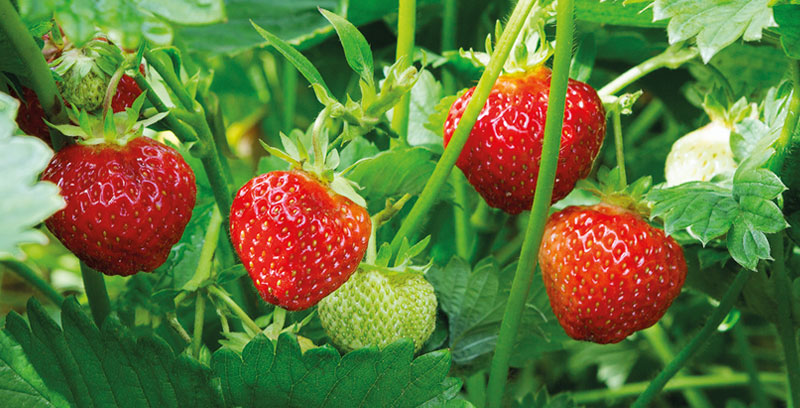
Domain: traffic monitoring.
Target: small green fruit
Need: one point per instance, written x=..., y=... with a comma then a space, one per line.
x=374, y=308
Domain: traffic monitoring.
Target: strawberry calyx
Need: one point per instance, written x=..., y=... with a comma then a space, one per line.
x=111, y=128
x=85, y=72
x=610, y=188
x=720, y=108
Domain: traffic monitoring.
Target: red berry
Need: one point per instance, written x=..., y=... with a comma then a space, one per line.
x=126, y=205
x=608, y=273
x=501, y=156
x=30, y=117
x=127, y=92
x=298, y=239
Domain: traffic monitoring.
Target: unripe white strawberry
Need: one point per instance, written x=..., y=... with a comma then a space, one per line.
x=376, y=308
x=700, y=155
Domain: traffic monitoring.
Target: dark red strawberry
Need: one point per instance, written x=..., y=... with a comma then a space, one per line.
x=126, y=205
x=127, y=92
x=607, y=272
x=298, y=239
x=30, y=117
x=501, y=156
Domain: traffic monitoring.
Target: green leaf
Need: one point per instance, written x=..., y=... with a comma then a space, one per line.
x=616, y=13
x=763, y=215
x=295, y=57
x=108, y=367
x=356, y=48
x=26, y=202
x=268, y=375
x=788, y=18
x=746, y=244
x=760, y=183
x=583, y=61
x=705, y=209
x=425, y=95
x=186, y=12
x=715, y=23
x=393, y=173
x=21, y=384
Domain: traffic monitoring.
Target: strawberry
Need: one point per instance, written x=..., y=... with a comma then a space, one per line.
x=376, y=308
x=30, y=117
x=126, y=205
x=501, y=157
x=298, y=239
x=607, y=272
x=700, y=155
x=127, y=92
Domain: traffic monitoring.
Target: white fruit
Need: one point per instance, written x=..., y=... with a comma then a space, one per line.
x=700, y=155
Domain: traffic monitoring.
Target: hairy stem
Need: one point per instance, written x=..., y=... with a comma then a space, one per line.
x=541, y=205
x=749, y=363
x=29, y=275
x=176, y=325
x=694, y=345
x=95, y=286
x=789, y=126
x=199, y=319
x=672, y=57
x=406, y=27
x=474, y=107
x=786, y=330
x=234, y=307
x=676, y=384
x=41, y=78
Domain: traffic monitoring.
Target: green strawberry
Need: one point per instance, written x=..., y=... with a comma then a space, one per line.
x=377, y=307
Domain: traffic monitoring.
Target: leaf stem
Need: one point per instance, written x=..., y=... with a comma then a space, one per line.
x=199, y=319
x=523, y=276
x=661, y=345
x=461, y=225
x=29, y=275
x=694, y=345
x=234, y=308
x=41, y=78
x=786, y=330
x=676, y=384
x=672, y=57
x=474, y=107
x=749, y=363
x=790, y=124
x=618, y=144
x=406, y=27
x=176, y=325
x=95, y=286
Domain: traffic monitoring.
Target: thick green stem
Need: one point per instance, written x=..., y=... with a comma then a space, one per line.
x=475, y=386
x=474, y=107
x=618, y=144
x=786, y=330
x=176, y=325
x=660, y=342
x=449, y=27
x=694, y=345
x=541, y=204
x=676, y=384
x=41, y=78
x=406, y=27
x=171, y=79
x=789, y=126
x=95, y=286
x=234, y=307
x=672, y=57
x=644, y=121
x=749, y=363
x=29, y=275
x=462, y=227
x=199, y=319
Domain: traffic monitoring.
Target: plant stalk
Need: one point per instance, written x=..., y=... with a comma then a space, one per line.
x=41, y=78
x=672, y=57
x=618, y=144
x=749, y=363
x=234, y=307
x=786, y=330
x=474, y=107
x=789, y=125
x=95, y=286
x=694, y=345
x=406, y=27
x=541, y=205
x=29, y=275
x=199, y=319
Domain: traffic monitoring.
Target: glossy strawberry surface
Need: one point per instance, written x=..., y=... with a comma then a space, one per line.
x=298, y=240
x=607, y=272
x=126, y=205
x=30, y=117
x=501, y=157
x=127, y=92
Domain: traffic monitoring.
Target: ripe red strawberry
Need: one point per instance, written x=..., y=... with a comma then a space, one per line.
x=127, y=92
x=501, y=156
x=126, y=205
x=607, y=272
x=298, y=239
x=30, y=117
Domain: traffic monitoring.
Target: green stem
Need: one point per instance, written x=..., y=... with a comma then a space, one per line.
x=234, y=308
x=406, y=25
x=171, y=79
x=676, y=384
x=462, y=227
x=792, y=117
x=176, y=325
x=278, y=321
x=289, y=96
x=672, y=57
x=541, y=204
x=475, y=385
x=694, y=345
x=319, y=153
x=507, y=252
x=41, y=78
x=210, y=242
x=786, y=330
x=183, y=131
x=749, y=363
x=644, y=121
x=474, y=107
x=661, y=345
x=449, y=27
x=95, y=286
x=199, y=319
x=29, y=275
x=618, y=144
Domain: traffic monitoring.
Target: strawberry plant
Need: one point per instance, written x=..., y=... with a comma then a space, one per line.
x=401, y=203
